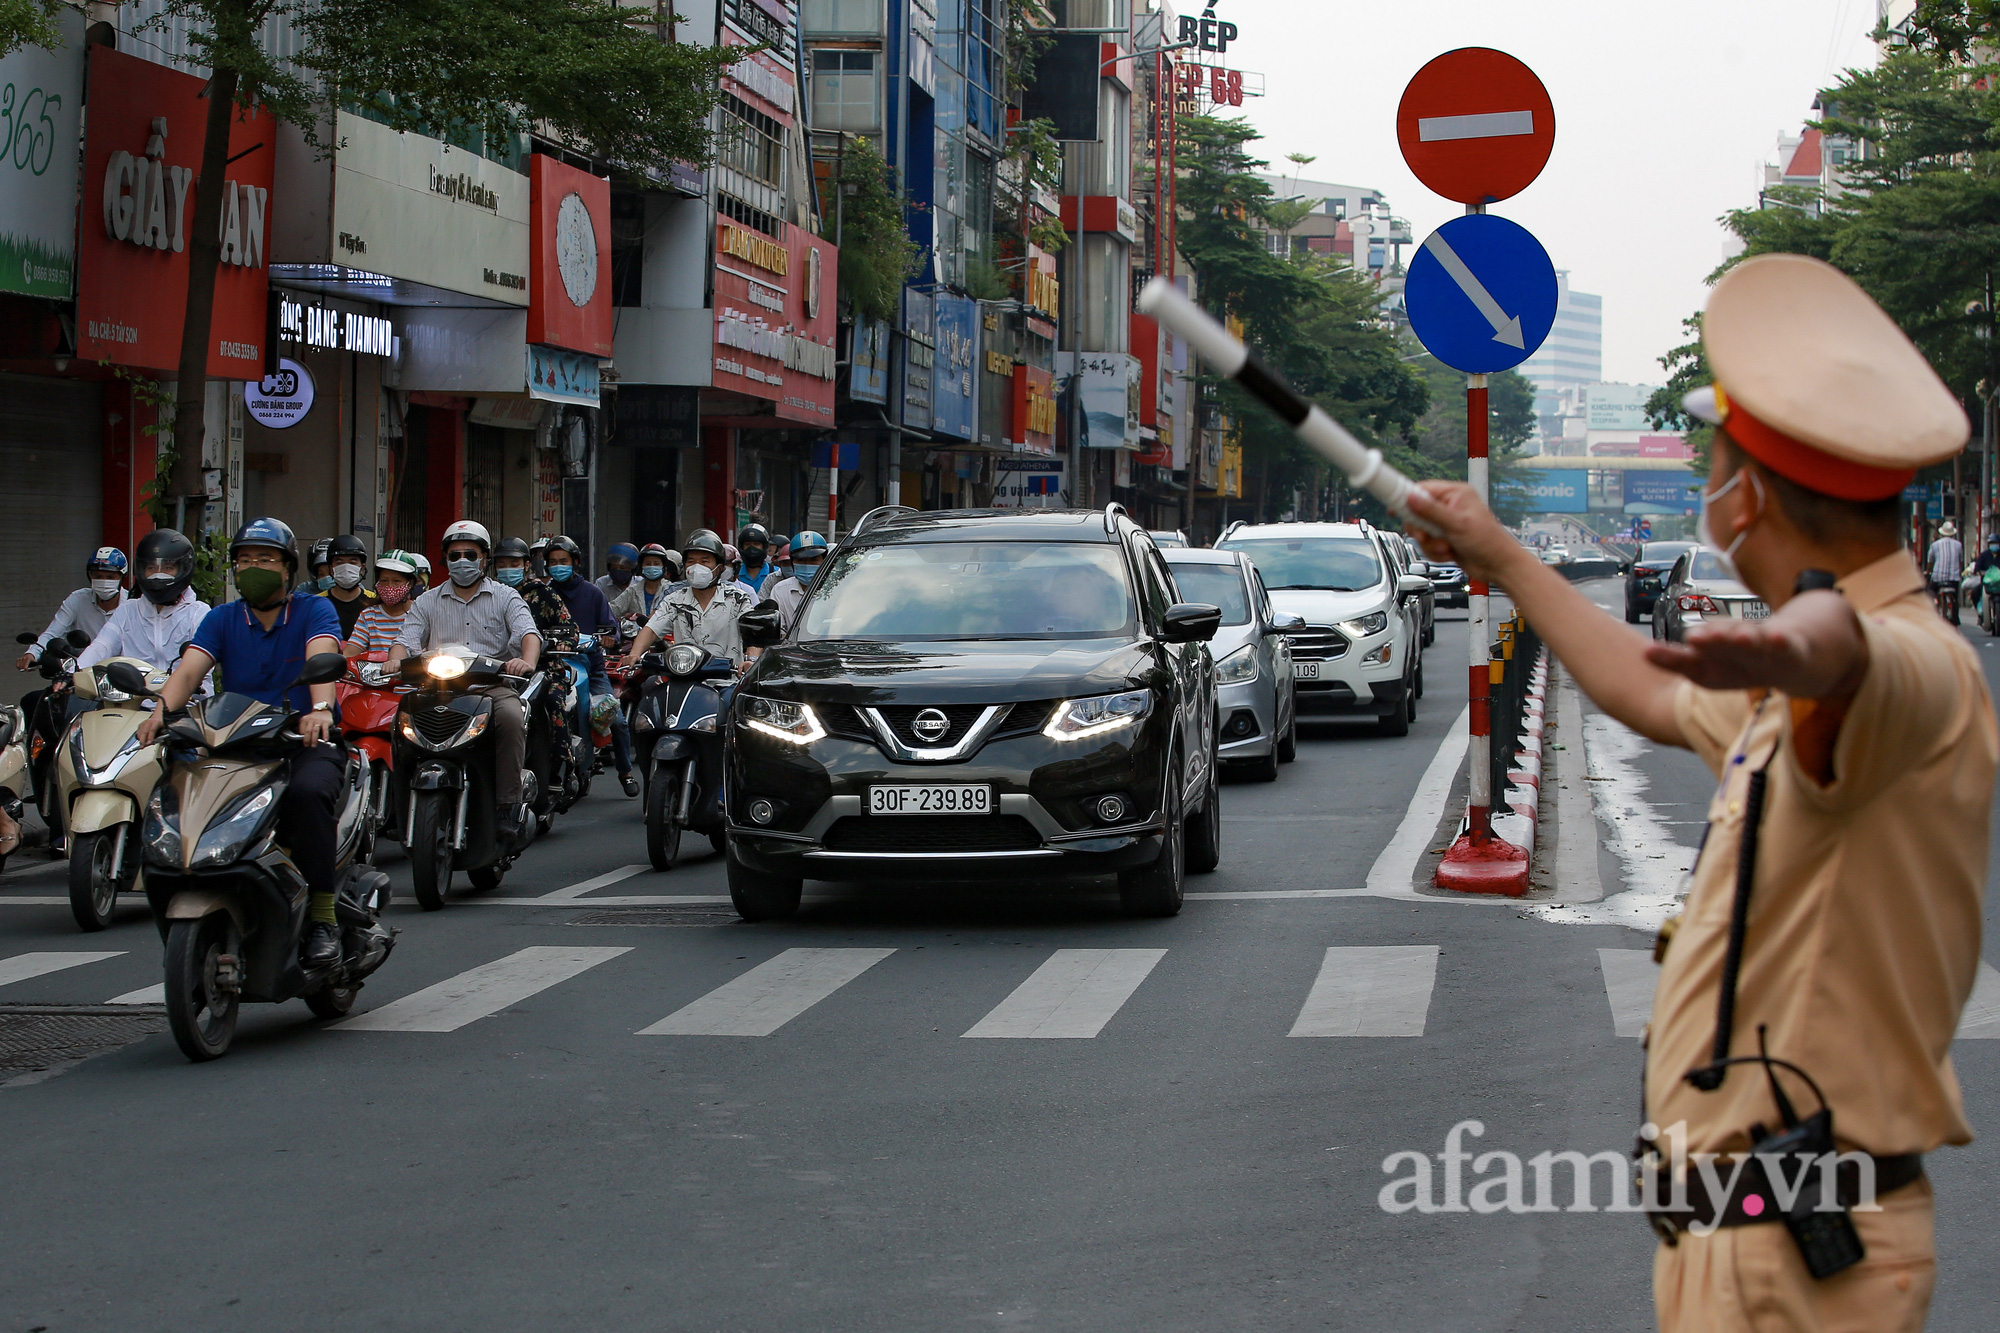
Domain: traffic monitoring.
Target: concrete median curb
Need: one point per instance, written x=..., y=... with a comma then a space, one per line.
x=1499, y=863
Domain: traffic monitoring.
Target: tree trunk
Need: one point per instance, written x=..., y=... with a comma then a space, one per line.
x=204, y=256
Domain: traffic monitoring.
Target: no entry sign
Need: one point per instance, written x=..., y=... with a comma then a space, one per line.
x=1476, y=125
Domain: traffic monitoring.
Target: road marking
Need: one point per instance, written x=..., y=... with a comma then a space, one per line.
x=1379, y=990
x=1396, y=867
x=769, y=995
x=24, y=966
x=153, y=994
x=1073, y=994
x=486, y=989
x=592, y=885
x=1982, y=1011
x=1629, y=978
x=1486, y=125
x=1506, y=327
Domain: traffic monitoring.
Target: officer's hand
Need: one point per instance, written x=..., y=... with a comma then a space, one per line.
x=1470, y=535
x=517, y=666
x=150, y=727
x=1812, y=649
x=313, y=727
x=26, y=662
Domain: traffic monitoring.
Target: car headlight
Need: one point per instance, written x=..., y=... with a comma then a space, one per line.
x=1075, y=719
x=1363, y=626
x=227, y=837
x=161, y=831
x=443, y=666
x=1238, y=667
x=684, y=659
x=796, y=723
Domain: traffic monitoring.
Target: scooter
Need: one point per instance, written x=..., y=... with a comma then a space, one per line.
x=13, y=774
x=570, y=672
x=47, y=724
x=1989, y=600
x=444, y=752
x=677, y=734
x=552, y=748
x=103, y=777
x=230, y=903
x=369, y=701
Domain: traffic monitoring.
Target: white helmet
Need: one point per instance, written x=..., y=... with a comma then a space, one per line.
x=465, y=530
x=423, y=564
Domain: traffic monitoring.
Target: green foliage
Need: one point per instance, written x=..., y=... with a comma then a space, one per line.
x=1949, y=29
x=166, y=453
x=211, y=566
x=1030, y=31
x=1687, y=370
x=987, y=281
x=876, y=254
x=31, y=23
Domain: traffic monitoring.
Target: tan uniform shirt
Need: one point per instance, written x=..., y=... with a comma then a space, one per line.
x=1863, y=936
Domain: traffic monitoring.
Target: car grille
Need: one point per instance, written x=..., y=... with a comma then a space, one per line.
x=841, y=720
x=932, y=833
x=439, y=725
x=1318, y=643
x=1020, y=720
x=959, y=719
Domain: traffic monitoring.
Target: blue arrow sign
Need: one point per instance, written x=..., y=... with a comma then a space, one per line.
x=1481, y=293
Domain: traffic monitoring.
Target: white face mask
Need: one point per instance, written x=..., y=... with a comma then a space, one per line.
x=104, y=589
x=1706, y=537
x=347, y=576
x=700, y=576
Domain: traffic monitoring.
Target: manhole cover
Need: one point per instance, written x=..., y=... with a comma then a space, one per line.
x=38, y=1039
x=656, y=916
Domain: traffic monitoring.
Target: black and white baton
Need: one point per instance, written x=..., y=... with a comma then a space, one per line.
x=1363, y=467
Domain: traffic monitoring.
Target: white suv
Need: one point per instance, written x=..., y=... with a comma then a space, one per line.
x=1360, y=653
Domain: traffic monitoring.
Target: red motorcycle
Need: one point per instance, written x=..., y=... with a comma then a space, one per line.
x=368, y=702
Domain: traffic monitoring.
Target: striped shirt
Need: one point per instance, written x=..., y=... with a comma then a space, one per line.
x=375, y=629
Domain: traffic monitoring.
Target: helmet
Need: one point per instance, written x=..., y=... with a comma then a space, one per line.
x=654, y=548
x=267, y=532
x=511, y=548
x=346, y=544
x=465, y=530
x=396, y=562
x=168, y=546
x=560, y=543
x=708, y=544
x=753, y=532
x=731, y=555
x=808, y=541
x=538, y=545
x=109, y=559
x=319, y=552
x=623, y=551
x=423, y=564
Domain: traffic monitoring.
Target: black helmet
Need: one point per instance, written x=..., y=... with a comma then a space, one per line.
x=267, y=532
x=510, y=548
x=165, y=546
x=346, y=544
x=706, y=542
x=564, y=544
x=319, y=552
x=753, y=532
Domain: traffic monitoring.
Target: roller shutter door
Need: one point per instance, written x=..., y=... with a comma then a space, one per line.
x=51, y=497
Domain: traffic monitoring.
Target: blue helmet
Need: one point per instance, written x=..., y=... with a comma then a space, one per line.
x=107, y=558
x=622, y=551
x=267, y=532
x=807, y=541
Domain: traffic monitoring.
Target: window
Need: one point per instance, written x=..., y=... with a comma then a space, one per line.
x=752, y=142
x=971, y=590
x=1332, y=564
x=1217, y=585
x=628, y=248
x=846, y=18
x=844, y=91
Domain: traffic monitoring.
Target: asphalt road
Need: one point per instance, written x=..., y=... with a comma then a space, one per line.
x=964, y=1109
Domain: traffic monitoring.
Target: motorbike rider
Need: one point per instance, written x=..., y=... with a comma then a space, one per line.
x=318, y=567
x=620, y=562
x=732, y=571
x=152, y=627
x=85, y=609
x=347, y=561
x=536, y=550
x=396, y=585
x=754, y=542
x=552, y=618
x=1987, y=559
x=423, y=564
x=261, y=643
x=808, y=550
x=781, y=565
x=657, y=567
x=592, y=613
x=704, y=611
x=1942, y=562
x=489, y=618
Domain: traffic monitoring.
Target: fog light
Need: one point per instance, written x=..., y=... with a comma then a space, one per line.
x=1241, y=723
x=763, y=810
x=1111, y=809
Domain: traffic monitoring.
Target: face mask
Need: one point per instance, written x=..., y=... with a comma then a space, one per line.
x=700, y=576
x=104, y=589
x=654, y=573
x=511, y=577
x=464, y=573
x=1702, y=533
x=347, y=576
x=260, y=586
x=391, y=594
x=753, y=556
x=323, y=582
x=804, y=571
x=621, y=577
x=561, y=573
x=160, y=589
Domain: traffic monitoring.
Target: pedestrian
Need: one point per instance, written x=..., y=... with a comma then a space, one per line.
x=1833, y=918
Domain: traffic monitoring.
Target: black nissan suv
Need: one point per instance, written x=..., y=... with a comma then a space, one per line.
x=979, y=694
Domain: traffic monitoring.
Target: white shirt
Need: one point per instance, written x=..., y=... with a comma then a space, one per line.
x=153, y=634
x=78, y=611
x=492, y=622
x=790, y=595
x=677, y=616
x=1947, y=560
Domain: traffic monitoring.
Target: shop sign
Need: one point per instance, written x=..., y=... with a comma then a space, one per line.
x=1108, y=383
x=561, y=376
x=657, y=416
x=569, y=266
x=1044, y=293
x=1194, y=84
x=919, y=358
x=1027, y=483
x=774, y=330
x=868, y=361
x=1207, y=33
x=334, y=330
x=280, y=401
x=41, y=92
x=144, y=143
x=954, y=394
x=1035, y=410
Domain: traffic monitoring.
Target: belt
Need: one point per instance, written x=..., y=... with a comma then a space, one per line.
x=1752, y=1201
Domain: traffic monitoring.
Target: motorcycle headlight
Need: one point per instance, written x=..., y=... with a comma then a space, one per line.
x=1075, y=719
x=225, y=839
x=684, y=659
x=1238, y=667
x=796, y=723
x=443, y=666
x=161, y=832
x=1372, y=623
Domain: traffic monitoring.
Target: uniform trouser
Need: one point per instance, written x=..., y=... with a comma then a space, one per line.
x=309, y=813
x=1750, y=1279
x=510, y=742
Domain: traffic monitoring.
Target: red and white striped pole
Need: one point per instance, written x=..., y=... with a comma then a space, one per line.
x=1478, y=755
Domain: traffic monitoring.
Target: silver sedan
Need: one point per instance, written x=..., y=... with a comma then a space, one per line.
x=1700, y=587
x=1253, y=659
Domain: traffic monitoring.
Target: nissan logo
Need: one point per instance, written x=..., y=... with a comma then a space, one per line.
x=930, y=724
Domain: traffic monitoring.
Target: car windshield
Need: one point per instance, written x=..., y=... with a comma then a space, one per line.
x=971, y=590
x=1707, y=567
x=1217, y=585
x=1332, y=564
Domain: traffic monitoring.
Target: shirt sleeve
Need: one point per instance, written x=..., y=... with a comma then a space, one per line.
x=1710, y=720
x=208, y=634
x=321, y=619
x=63, y=621
x=520, y=620
x=661, y=622
x=106, y=644
x=1917, y=698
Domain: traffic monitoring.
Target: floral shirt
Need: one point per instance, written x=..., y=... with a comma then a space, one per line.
x=552, y=618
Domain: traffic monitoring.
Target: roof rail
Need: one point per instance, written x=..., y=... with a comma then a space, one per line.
x=880, y=511
x=1233, y=525
x=1111, y=511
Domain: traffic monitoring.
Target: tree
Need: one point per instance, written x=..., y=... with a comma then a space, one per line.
x=31, y=23
x=876, y=255
x=582, y=72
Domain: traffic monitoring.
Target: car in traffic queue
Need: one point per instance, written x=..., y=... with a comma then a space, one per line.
x=978, y=694
x=1646, y=574
x=1166, y=540
x=1409, y=560
x=1360, y=653
x=1700, y=587
x=1253, y=659
x=1450, y=585
x=1555, y=555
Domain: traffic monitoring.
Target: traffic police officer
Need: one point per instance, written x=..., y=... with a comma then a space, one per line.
x=1858, y=724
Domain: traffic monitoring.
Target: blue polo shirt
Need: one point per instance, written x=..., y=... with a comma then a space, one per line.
x=261, y=662
x=591, y=612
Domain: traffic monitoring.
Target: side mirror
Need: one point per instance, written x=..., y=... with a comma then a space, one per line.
x=1285, y=624
x=77, y=640
x=1191, y=622
x=1410, y=584
x=1421, y=568
x=323, y=669
x=24, y=637
x=124, y=676
x=1624, y=566
x=759, y=626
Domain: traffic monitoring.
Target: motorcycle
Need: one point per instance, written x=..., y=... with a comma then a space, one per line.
x=230, y=903
x=552, y=747
x=444, y=748
x=103, y=778
x=570, y=678
x=679, y=739
x=13, y=774
x=369, y=701
x=1989, y=600
x=50, y=720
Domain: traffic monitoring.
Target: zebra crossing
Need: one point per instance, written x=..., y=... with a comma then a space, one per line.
x=1072, y=994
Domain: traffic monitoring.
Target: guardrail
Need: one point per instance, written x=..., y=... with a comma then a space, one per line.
x=1511, y=665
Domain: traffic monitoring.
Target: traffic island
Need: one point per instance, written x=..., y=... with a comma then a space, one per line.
x=1495, y=846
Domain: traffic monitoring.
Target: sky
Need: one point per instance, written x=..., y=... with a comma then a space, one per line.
x=1664, y=115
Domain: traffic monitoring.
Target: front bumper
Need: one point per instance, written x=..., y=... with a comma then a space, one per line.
x=1251, y=704
x=1347, y=686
